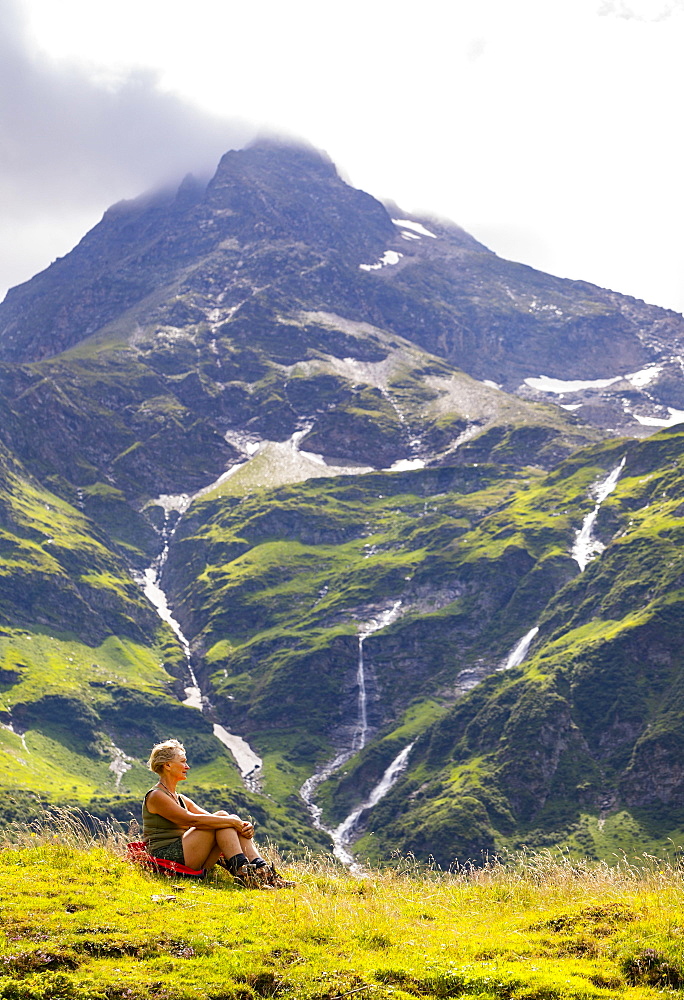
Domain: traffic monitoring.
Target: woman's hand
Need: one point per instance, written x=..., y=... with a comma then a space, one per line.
x=245, y=829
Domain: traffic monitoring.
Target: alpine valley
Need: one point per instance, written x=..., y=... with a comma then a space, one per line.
x=388, y=530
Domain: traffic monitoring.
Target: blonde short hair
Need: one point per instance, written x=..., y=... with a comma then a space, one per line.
x=162, y=753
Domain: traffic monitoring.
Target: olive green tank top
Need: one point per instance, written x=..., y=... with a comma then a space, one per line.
x=158, y=832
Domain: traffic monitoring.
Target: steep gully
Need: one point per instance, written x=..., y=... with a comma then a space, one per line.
x=343, y=835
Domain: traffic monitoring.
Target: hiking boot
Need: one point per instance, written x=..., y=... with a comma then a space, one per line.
x=273, y=878
x=248, y=877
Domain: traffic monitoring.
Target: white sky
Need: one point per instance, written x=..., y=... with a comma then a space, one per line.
x=549, y=129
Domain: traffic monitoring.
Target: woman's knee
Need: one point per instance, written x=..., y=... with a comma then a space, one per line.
x=196, y=838
x=197, y=846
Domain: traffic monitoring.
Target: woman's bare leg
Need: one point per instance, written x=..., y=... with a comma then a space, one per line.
x=249, y=848
x=247, y=845
x=213, y=858
x=201, y=848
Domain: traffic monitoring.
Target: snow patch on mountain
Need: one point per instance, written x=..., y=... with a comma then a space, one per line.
x=388, y=258
x=675, y=417
x=414, y=226
x=406, y=464
x=544, y=383
x=645, y=376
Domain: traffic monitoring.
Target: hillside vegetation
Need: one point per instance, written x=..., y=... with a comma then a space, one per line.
x=581, y=743
x=578, y=745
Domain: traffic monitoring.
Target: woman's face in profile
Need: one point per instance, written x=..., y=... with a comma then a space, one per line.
x=178, y=767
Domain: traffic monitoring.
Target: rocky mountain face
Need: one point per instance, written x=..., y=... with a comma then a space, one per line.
x=277, y=232
x=326, y=492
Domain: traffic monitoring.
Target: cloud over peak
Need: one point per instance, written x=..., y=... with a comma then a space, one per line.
x=71, y=144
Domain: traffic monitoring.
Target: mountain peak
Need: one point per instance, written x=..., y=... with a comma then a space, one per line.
x=291, y=191
x=274, y=157
x=276, y=149
x=276, y=215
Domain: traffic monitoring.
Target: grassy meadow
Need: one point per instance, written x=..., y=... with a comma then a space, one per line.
x=80, y=921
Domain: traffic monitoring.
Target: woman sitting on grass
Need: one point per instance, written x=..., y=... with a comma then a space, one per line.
x=177, y=829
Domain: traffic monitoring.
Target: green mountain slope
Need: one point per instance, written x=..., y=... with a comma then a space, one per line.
x=243, y=400
x=79, y=647
x=581, y=743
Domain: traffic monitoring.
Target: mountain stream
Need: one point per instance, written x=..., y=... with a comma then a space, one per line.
x=246, y=759
x=519, y=651
x=343, y=834
x=587, y=547
x=584, y=550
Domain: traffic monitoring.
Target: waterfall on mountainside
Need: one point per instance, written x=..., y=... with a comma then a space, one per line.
x=374, y=625
x=343, y=834
x=11, y=728
x=519, y=651
x=121, y=763
x=156, y=596
x=246, y=759
x=357, y=742
x=586, y=547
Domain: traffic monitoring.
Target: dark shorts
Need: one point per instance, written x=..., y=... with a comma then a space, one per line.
x=171, y=852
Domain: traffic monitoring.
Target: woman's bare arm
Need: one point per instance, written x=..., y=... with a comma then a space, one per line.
x=243, y=826
x=162, y=805
x=194, y=808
